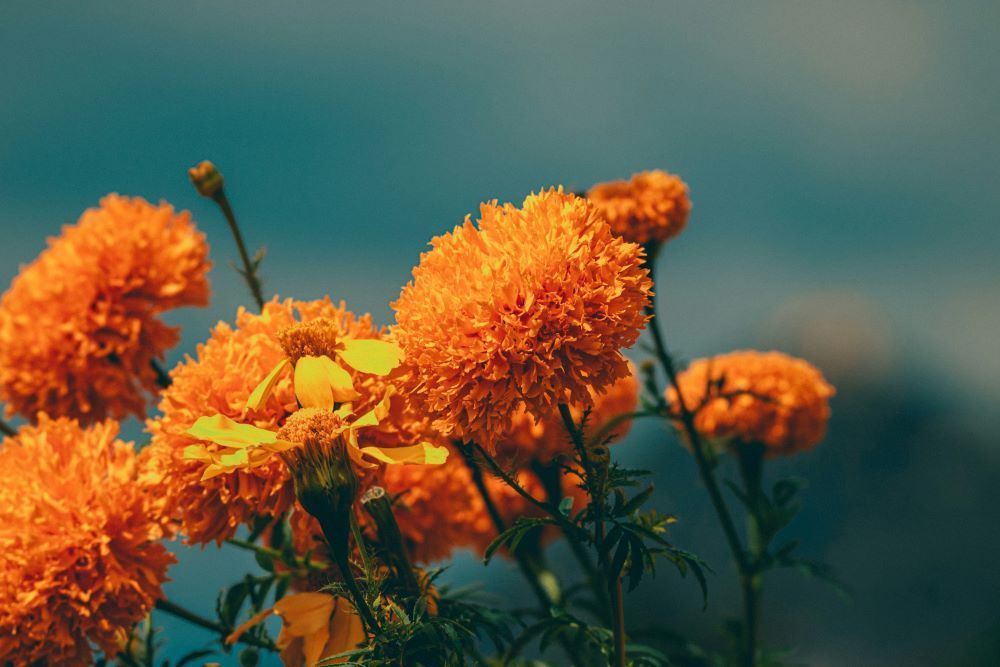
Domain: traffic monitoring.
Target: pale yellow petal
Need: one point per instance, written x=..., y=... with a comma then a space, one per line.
x=224, y=431
x=424, y=453
x=371, y=355
x=312, y=385
x=340, y=380
x=261, y=393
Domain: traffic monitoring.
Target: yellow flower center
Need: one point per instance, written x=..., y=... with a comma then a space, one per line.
x=310, y=339
x=312, y=425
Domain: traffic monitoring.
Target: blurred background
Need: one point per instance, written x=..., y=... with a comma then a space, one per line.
x=842, y=160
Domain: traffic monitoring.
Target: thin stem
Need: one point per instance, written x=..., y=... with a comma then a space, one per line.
x=274, y=553
x=249, y=269
x=596, y=483
x=496, y=469
x=697, y=445
x=7, y=429
x=336, y=538
x=751, y=458
x=527, y=570
x=550, y=475
x=180, y=612
x=162, y=376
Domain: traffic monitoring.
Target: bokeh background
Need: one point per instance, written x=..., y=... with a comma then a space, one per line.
x=842, y=158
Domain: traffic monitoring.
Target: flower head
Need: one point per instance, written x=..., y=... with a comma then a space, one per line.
x=79, y=326
x=81, y=562
x=532, y=440
x=769, y=398
x=531, y=308
x=314, y=626
x=221, y=379
x=651, y=207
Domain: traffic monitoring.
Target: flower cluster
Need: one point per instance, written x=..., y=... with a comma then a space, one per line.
x=650, y=208
x=528, y=309
x=79, y=327
x=767, y=398
x=80, y=559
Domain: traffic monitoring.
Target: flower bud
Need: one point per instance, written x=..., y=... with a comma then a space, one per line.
x=206, y=179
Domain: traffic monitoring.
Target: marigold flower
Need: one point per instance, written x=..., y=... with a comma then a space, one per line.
x=533, y=440
x=79, y=327
x=531, y=308
x=652, y=207
x=80, y=562
x=221, y=379
x=314, y=626
x=768, y=398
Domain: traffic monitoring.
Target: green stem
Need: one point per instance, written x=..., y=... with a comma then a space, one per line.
x=7, y=429
x=249, y=270
x=697, y=445
x=162, y=376
x=275, y=554
x=596, y=485
x=180, y=612
x=529, y=572
x=337, y=538
x=550, y=475
x=751, y=457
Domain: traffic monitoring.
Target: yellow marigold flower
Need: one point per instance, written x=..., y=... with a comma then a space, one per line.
x=79, y=326
x=530, y=439
x=768, y=398
x=531, y=308
x=314, y=626
x=221, y=379
x=652, y=207
x=80, y=561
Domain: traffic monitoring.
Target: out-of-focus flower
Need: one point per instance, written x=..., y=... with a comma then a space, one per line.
x=79, y=327
x=512, y=505
x=533, y=440
x=770, y=398
x=531, y=308
x=80, y=561
x=651, y=207
x=221, y=379
x=314, y=626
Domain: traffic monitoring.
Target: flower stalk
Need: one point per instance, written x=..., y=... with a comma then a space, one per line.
x=7, y=429
x=595, y=461
x=209, y=183
x=707, y=474
x=177, y=611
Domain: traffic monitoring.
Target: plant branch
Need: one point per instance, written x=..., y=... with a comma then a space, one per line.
x=162, y=376
x=180, y=612
x=596, y=482
x=7, y=429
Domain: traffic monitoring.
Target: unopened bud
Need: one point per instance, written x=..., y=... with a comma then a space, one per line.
x=325, y=483
x=206, y=179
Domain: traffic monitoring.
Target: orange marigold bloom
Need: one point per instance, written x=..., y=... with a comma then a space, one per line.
x=531, y=308
x=79, y=327
x=768, y=398
x=652, y=207
x=81, y=562
x=226, y=370
x=530, y=439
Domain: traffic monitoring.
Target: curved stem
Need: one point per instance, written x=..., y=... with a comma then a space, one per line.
x=249, y=268
x=336, y=538
x=596, y=484
x=180, y=612
x=527, y=569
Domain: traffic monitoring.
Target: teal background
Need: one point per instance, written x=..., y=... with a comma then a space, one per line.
x=842, y=158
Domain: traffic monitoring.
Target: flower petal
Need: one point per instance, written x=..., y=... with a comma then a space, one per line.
x=312, y=386
x=370, y=355
x=424, y=453
x=262, y=391
x=235, y=635
x=340, y=381
x=224, y=431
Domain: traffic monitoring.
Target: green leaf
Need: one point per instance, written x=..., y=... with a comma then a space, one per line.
x=636, y=502
x=566, y=505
